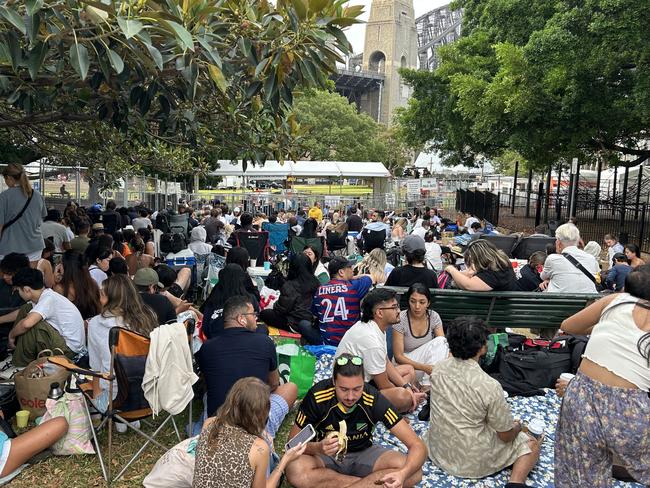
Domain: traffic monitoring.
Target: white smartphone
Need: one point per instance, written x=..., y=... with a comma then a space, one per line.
x=305, y=435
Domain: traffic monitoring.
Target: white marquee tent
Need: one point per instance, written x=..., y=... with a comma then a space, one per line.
x=304, y=169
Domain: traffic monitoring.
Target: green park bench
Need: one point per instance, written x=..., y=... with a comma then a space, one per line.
x=501, y=309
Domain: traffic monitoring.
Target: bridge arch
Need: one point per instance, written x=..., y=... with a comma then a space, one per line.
x=377, y=62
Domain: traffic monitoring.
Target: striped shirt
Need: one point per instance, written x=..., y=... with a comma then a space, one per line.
x=336, y=304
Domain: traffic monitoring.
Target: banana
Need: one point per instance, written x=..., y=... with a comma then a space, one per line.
x=342, y=436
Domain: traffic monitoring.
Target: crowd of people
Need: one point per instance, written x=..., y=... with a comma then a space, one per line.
x=69, y=277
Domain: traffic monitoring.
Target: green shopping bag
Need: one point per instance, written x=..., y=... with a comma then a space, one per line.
x=295, y=364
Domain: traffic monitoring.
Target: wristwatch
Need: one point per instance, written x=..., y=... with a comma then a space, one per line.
x=407, y=385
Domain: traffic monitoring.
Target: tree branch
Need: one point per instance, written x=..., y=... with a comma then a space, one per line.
x=45, y=118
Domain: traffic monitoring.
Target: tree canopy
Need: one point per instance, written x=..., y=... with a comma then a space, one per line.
x=215, y=78
x=333, y=130
x=547, y=80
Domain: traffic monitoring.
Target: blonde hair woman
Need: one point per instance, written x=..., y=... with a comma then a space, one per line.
x=21, y=214
x=231, y=452
x=399, y=230
x=488, y=269
x=121, y=307
x=373, y=264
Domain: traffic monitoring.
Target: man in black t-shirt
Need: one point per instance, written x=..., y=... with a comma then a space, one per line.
x=146, y=280
x=239, y=352
x=329, y=462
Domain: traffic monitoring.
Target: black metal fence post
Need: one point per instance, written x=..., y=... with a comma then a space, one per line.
x=642, y=231
x=639, y=177
x=597, y=202
x=514, y=188
x=538, y=205
x=529, y=190
x=547, y=200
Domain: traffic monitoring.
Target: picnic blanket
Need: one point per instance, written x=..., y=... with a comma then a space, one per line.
x=546, y=407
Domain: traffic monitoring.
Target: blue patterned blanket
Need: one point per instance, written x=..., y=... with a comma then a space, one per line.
x=546, y=407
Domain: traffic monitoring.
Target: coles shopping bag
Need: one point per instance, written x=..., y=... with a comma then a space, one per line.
x=297, y=365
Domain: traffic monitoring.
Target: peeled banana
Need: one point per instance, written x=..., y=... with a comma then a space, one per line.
x=342, y=436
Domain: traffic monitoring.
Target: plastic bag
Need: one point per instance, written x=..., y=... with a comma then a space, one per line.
x=77, y=440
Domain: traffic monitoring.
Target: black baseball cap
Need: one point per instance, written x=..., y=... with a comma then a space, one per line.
x=338, y=263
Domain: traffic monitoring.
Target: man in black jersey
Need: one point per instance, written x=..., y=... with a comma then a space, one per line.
x=326, y=463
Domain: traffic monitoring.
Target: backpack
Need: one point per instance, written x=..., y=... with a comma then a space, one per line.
x=172, y=243
x=538, y=365
x=162, y=223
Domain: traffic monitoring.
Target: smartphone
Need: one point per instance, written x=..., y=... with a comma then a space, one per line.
x=305, y=435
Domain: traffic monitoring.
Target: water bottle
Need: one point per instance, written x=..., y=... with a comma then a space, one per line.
x=55, y=391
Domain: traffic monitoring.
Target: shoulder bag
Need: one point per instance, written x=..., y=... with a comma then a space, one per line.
x=20, y=214
x=584, y=271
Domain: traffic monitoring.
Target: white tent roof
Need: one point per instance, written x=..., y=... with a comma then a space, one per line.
x=304, y=169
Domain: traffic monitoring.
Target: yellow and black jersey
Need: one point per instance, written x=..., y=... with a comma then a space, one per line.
x=321, y=409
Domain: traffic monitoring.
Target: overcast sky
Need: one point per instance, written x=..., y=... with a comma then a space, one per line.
x=357, y=32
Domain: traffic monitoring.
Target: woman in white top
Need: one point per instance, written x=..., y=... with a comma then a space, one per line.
x=606, y=407
x=418, y=338
x=121, y=307
x=433, y=254
x=98, y=259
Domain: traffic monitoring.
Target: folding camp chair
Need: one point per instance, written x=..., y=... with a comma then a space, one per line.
x=278, y=234
x=129, y=352
x=337, y=243
x=297, y=244
x=256, y=243
x=373, y=239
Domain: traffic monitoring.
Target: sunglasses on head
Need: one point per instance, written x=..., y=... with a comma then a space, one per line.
x=343, y=360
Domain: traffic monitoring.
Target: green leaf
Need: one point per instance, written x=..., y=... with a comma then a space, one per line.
x=96, y=15
x=261, y=66
x=301, y=10
x=211, y=52
x=33, y=6
x=116, y=61
x=35, y=59
x=129, y=27
x=317, y=5
x=79, y=59
x=217, y=76
x=183, y=35
x=14, y=18
x=157, y=57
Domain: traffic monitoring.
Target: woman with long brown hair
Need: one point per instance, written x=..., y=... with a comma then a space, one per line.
x=231, y=452
x=73, y=281
x=21, y=214
x=488, y=269
x=121, y=307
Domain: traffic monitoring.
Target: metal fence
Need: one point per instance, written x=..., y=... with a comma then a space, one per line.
x=595, y=217
x=482, y=204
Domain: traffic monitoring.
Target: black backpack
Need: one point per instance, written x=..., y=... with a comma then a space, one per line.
x=527, y=371
x=172, y=243
x=162, y=223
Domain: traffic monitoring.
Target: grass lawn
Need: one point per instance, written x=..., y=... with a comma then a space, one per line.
x=84, y=471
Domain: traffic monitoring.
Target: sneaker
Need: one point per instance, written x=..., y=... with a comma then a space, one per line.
x=9, y=372
x=122, y=428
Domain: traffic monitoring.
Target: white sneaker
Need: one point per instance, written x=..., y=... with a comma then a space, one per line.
x=8, y=370
x=122, y=428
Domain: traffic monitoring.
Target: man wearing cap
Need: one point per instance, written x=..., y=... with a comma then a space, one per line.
x=337, y=303
x=146, y=280
x=53, y=229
